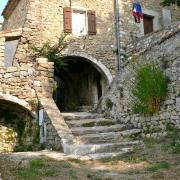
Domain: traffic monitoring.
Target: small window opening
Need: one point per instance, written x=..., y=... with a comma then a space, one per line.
x=10, y=50
x=148, y=24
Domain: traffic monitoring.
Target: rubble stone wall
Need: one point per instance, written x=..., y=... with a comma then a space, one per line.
x=28, y=82
x=163, y=48
x=131, y=30
x=44, y=21
x=18, y=17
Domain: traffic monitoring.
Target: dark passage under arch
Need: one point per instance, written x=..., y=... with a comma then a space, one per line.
x=80, y=86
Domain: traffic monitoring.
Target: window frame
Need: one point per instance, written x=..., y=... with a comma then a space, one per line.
x=86, y=20
x=156, y=21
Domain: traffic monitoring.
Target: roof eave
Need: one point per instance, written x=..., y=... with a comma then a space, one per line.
x=10, y=6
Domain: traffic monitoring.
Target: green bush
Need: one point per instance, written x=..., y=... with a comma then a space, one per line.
x=53, y=52
x=158, y=166
x=149, y=89
x=109, y=104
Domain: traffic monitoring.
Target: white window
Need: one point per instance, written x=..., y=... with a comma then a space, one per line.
x=79, y=25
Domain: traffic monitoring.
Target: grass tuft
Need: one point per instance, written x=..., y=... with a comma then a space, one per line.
x=158, y=166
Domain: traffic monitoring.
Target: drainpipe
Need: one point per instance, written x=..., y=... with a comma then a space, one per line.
x=117, y=34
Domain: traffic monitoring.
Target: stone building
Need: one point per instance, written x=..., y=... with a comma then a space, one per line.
x=0, y=25
x=91, y=57
x=155, y=17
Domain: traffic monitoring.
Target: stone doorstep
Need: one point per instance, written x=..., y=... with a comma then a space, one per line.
x=106, y=137
x=98, y=148
x=81, y=115
x=96, y=129
x=79, y=123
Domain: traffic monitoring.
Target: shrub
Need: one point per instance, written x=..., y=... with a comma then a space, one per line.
x=109, y=104
x=53, y=52
x=149, y=89
x=158, y=166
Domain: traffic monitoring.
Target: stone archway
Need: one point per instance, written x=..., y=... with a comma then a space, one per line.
x=82, y=85
x=97, y=64
x=14, y=99
x=18, y=125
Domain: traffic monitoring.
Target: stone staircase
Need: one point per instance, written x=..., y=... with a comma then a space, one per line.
x=98, y=137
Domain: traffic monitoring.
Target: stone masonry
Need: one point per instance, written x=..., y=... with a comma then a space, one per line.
x=31, y=80
x=163, y=48
x=131, y=31
x=42, y=21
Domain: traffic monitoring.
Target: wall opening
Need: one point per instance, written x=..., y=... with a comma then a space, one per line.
x=18, y=129
x=80, y=87
x=11, y=44
x=148, y=24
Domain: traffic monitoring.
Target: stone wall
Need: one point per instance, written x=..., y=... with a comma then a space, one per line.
x=44, y=21
x=131, y=30
x=18, y=129
x=99, y=46
x=0, y=25
x=8, y=139
x=29, y=82
x=17, y=18
x=21, y=88
x=163, y=48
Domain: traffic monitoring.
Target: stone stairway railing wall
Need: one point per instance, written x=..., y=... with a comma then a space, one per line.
x=162, y=47
x=58, y=134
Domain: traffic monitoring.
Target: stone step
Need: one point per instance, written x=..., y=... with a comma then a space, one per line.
x=81, y=115
x=106, y=137
x=97, y=129
x=90, y=122
x=101, y=148
x=97, y=156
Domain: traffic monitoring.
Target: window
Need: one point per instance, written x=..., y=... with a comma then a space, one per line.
x=79, y=26
x=148, y=24
x=79, y=22
x=10, y=50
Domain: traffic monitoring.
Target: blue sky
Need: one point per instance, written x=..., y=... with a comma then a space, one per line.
x=2, y=5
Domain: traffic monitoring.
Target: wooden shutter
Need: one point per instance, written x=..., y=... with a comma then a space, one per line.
x=91, y=22
x=67, y=20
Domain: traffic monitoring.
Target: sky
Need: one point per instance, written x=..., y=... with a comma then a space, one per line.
x=2, y=5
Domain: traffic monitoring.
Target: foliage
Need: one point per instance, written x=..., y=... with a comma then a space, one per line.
x=53, y=52
x=149, y=89
x=159, y=165
x=173, y=138
x=109, y=104
x=34, y=104
x=24, y=127
x=169, y=2
x=35, y=169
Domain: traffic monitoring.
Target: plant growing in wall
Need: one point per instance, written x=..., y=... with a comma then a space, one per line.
x=150, y=88
x=169, y=2
x=53, y=52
